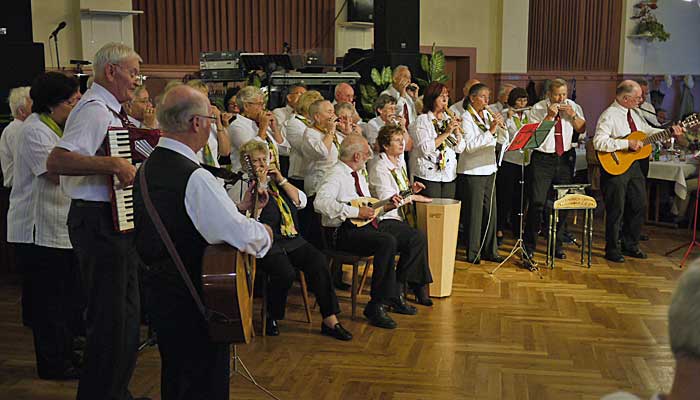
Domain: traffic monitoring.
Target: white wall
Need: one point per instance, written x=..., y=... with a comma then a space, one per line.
x=679, y=55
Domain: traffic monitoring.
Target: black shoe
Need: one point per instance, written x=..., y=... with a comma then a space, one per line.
x=378, y=317
x=67, y=374
x=422, y=297
x=337, y=332
x=568, y=238
x=496, y=259
x=559, y=253
x=271, y=328
x=400, y=306
x=615, y=257
x=634, y=253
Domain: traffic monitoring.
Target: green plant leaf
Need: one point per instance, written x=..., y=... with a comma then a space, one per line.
x=386, y=77
x=376, y=78
x=372, y=93
x=425, y=63
x=443, y=78
x=438, y=65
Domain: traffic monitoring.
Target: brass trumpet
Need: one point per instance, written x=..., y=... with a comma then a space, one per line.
x=451, y=139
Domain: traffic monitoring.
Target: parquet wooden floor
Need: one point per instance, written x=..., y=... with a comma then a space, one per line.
x=572, y=334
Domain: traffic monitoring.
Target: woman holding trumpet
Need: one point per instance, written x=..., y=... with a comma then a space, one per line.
x=437, y=139
x=477, y=176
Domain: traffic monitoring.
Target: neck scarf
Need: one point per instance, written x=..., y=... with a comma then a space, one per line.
x=478, y=121
x=287, y=227
x=406, y=212
x=51, y=124
x=440, y=128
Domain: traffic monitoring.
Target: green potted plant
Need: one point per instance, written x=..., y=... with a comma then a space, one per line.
x=648, y=26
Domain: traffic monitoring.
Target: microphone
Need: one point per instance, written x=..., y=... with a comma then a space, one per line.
x=58, y=29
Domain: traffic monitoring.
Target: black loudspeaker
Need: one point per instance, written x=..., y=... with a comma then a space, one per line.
x=411, y=60
x=396, y=26
x=28, y=62
x=16, y=19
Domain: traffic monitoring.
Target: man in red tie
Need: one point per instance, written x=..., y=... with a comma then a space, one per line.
x=345, y=182
x=550, y=164
x=624, y=194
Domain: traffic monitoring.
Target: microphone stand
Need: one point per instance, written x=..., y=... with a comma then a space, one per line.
x=55, y=40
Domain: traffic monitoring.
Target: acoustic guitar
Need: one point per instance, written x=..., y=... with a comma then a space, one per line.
x=227, y=287
x=375, y=204
x=618, y=162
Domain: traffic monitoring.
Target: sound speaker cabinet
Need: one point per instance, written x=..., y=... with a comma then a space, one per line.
x=396, y=26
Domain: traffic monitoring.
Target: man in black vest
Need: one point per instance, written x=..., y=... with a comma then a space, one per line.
x=196, y=212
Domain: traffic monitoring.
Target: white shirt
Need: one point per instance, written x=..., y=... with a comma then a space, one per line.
x=335, y=193
x=213, y=142
x=539, y=112
x=457, y=107
x=400, y=101
x=294, y=128
x=84, y=134
x=214, y=214
x=373, y=127
x=613, y=124
x=424, y=156
x=8, y=147
x=319, y=157
x=282, y=114
x=496, y=107
x=479, y=156
x=243, y=130
x=515, y=157
x=38, y=208
x=650, y=118
x=382, y=184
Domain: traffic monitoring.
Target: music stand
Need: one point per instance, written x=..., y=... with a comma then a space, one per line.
x=529, y=136
x=694, y=241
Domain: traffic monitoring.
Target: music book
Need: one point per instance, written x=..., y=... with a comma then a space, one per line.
x=531, y=136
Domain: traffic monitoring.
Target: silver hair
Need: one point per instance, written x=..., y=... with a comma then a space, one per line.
x=625, y=88
x=338, y=86
x=176, y=117
x=382, y=101
x=18, y=100
x=343, y=107
x=398, y=69
x=351, y=146
x=315, y=107
x=505, y=87
x=112, y=53
x=247, y=95
x=684, y=314
x=139, y=89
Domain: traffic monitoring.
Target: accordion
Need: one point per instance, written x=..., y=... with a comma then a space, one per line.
x=134, y=144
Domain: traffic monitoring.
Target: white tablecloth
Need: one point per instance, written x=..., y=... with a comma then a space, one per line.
x=674, y=172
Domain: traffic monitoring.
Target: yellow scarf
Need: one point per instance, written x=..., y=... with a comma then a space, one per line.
x=51, y=124
x=406, y=212
x=477, y=119
x=287, y=227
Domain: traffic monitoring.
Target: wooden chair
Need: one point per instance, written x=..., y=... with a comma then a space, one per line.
x=304, y=296
x=338, y=258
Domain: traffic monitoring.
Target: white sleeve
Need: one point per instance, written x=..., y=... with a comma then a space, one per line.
x=86, y=131
x=474, y=139
x=217, y=219
x=538, y=113
x=294, y=135
x=423, y=136
x=313, y=147
x=35, y=147
x=381, y=183
x=327, y=203
x=241, y=135
x=602, y=141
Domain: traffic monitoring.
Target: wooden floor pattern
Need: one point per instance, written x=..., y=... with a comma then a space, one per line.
x=574, y=333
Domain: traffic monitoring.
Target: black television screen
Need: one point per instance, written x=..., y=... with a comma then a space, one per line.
x=360, y=10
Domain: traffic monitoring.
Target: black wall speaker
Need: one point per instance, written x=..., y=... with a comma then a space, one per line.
x=397, y=26
x=16, y=21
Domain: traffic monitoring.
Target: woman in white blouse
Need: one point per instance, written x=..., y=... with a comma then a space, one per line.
x=388, y=177
x=294, y=129
x=508, y=176
x=434, y=158
x=477, y=176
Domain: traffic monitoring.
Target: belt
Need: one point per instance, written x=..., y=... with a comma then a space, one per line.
x=89, y=204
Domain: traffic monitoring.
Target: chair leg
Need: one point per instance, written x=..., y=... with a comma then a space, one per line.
x=305, y=295
x=353, y=293
x=263, y=309
x=364, y=277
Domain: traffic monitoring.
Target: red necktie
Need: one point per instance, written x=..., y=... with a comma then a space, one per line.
x=405, y=114
x=124, y=118
x=630, y=121
x=558, y=138
x=358, y=189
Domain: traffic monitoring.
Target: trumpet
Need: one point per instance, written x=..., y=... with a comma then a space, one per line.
x=451, y=139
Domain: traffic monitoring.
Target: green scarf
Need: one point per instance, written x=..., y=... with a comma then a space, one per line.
x=287, y=222
x=477, y=119
x=518, y=122
x=208, y=156
x=406, y=212
x=51, y=124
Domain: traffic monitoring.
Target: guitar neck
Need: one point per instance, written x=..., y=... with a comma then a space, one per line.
x=665, y=134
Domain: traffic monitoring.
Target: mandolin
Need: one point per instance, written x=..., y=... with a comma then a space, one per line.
x=618, y=162
x=375, y=204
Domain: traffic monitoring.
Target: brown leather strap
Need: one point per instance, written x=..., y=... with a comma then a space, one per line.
x=168, y=242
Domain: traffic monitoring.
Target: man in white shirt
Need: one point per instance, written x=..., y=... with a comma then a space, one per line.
x=405, y=93
x=550, y=164
x=282, y=114
x=458, y=106
x=20, y=107
x=107, y=258
x=502, y=102
x=342, y=184
x=624, y=194
x=196, y=212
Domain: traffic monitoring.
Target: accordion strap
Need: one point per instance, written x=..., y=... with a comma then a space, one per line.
x=168, y=242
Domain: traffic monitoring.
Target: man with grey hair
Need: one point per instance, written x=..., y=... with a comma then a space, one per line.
x=405, y=93
x=345, y=183
x=282, y=114
x=196, y=212
x=502, y=102
x=624, y=194
x=683, y=322
x=108, y=260
x=344, y=93
x=646, y=110
x=21, y=108
x=458, y=106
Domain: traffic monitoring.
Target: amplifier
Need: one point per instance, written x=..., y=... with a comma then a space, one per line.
x=222, y=75
x=313, y=79
x=219, y=60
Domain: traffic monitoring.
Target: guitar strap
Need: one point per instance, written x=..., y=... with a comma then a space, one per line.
x=168, y=242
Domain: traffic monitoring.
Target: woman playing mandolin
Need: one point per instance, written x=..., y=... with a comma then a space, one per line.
x=279, y=202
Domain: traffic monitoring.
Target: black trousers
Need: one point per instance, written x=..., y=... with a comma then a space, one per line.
x=413, y=267
x=625, y=202
x=437, y=190
x=509, y=196
x=282, y=266
x=192, y=367
x=478, y=199
x=545, y=170
x=50, y=272
x=310, y=223
x=109, y=268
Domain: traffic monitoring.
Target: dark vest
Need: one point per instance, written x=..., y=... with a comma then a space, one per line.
x=167, y=176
